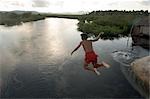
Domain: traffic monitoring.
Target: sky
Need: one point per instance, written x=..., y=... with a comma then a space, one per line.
x=61, y=6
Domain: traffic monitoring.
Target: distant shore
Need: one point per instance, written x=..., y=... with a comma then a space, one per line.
x=17, y=17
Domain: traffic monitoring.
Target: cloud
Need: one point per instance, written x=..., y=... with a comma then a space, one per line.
x=9, y=5
x=145, y=2
x=113, y=3
x=40, y=3
x=73, y=5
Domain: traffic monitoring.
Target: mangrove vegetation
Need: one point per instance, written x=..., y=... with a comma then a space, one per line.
x=112, y=23
x=18, y=17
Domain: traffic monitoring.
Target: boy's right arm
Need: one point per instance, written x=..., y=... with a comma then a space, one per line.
x=97, y=38
x=76, y=48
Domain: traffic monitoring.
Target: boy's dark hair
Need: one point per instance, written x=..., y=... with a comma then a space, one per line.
x=84, y=36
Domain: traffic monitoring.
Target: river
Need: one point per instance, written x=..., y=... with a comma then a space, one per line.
x=35, y=62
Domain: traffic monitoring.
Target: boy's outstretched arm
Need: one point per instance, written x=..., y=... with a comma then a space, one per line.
x=76, y=48
x=97, y=38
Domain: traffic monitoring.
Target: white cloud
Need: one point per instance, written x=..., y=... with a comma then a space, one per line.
x=40, y=3
x=145, y=2
x=8, y=5
x=73, y=5
x=129, y=5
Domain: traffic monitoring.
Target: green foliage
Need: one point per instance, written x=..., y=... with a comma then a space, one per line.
x=112, y=23
x=11, y=18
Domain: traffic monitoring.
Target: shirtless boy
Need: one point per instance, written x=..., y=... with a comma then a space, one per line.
x=90, y=56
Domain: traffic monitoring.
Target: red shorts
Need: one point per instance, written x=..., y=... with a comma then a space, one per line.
x=90, y=57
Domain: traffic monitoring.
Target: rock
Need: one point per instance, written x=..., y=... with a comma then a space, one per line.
x=140, y=32
x=141, y=70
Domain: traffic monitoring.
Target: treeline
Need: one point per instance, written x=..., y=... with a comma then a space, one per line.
x=117, y=12
x=71, y=16
x=16, y=18
x=112, y=23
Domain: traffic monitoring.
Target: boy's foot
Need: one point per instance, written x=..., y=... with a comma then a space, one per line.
x=97, y=72
x=106, y=65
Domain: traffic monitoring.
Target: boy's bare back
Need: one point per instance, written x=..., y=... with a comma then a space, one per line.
x=87, y=45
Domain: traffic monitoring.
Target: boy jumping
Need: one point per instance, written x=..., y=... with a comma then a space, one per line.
x=90, y=56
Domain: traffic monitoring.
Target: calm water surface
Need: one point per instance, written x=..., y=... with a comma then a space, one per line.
x=35, y=62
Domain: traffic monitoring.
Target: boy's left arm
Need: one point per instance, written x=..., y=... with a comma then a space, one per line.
x=76, y=48
x=97, y=38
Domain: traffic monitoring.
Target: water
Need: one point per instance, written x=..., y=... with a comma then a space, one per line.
x=35, y=62
x=125, y=58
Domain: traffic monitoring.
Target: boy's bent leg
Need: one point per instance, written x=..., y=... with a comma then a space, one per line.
x=105, y=64
x=91, y=69
x=88, y=68
x=96, y=65
x=96, y=71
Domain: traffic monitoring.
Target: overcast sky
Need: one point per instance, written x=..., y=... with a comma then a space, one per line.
x=73, y=5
